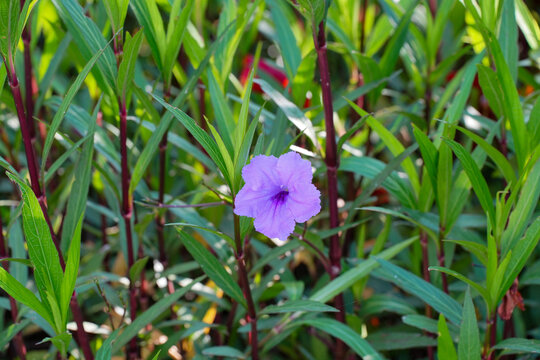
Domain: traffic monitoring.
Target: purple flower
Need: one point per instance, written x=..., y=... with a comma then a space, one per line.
x=278, y=193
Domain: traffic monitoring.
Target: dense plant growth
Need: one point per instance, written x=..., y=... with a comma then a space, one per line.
x=277, y=179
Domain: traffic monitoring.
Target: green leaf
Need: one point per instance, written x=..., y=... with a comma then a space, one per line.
x=479, y=250
x=345, y=334
x=147, y=14
x=292, y=57
x=137, y=268
x=425, y=291
x=508, y=37
x=41, y=248
x=478, y=181
x=126, y=68
x=23, y=295
x=242, y=123
x=481, y=290
x=404, y=216
x=79, y=192
x=226, y=351
x=9, y=333
x=213, y=268
x=491, y=88
x=199, y=134
x=71, y=271
x=148, y=316
x=469, y=337
x=517, y=345
x=523, y=210
x=25, y=262
x=499, y=159
x=89, y=40
x=298, y=305
x=445, y=345
x=429, y=325
x=203, y=228
x=520, y=253
x=273, y=254
x=62, y=110
x=350, y=277
x=391, y=53
x=528, y=24
x=175, y=36
x=293, y=113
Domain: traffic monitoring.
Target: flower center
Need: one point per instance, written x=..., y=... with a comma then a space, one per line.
x=281, y=196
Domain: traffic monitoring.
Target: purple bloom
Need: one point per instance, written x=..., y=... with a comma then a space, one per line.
x=278, y=193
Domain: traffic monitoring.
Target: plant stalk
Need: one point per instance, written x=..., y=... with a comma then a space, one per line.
x=127, y=213
x=244, y=285
x=331, y=160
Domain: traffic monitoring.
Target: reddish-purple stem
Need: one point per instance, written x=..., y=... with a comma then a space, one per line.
x=244, y=285
x=331, y=160
x=127, y=213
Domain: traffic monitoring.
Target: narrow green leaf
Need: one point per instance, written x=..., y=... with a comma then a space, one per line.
x=445, y=345
x=350, y=277
x=491, y=88
x=499, y=159
x=213, y=268
x=425, y=291
x=517, y=345
x=62, y=110
x=175, y=36
x=126, y=68
x=298, y=305
x=23, y=295
x=226, y=351
x=430, y=155
x=293, y=113
x=71, y=272
x=345, y=334
x=137, y=268
x=520, y=253
x=478, y=181
x=481, y=290
x=469, y=337
x=149, y=315
x=41, y=248
x=523, y=210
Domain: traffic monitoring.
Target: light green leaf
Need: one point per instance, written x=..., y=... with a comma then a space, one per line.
x=445, y=345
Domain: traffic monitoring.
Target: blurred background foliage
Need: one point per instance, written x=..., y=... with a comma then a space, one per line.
x=436, y=113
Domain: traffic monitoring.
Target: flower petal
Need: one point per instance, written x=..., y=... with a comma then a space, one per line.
x=261, y=172
x=304, y=203
x=293, y=170
x=249, y=201
x=275, y=220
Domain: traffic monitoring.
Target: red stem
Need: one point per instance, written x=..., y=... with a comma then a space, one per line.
x=28, y=78
x=127, y=213
x=244, y=284
x=319, y=39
